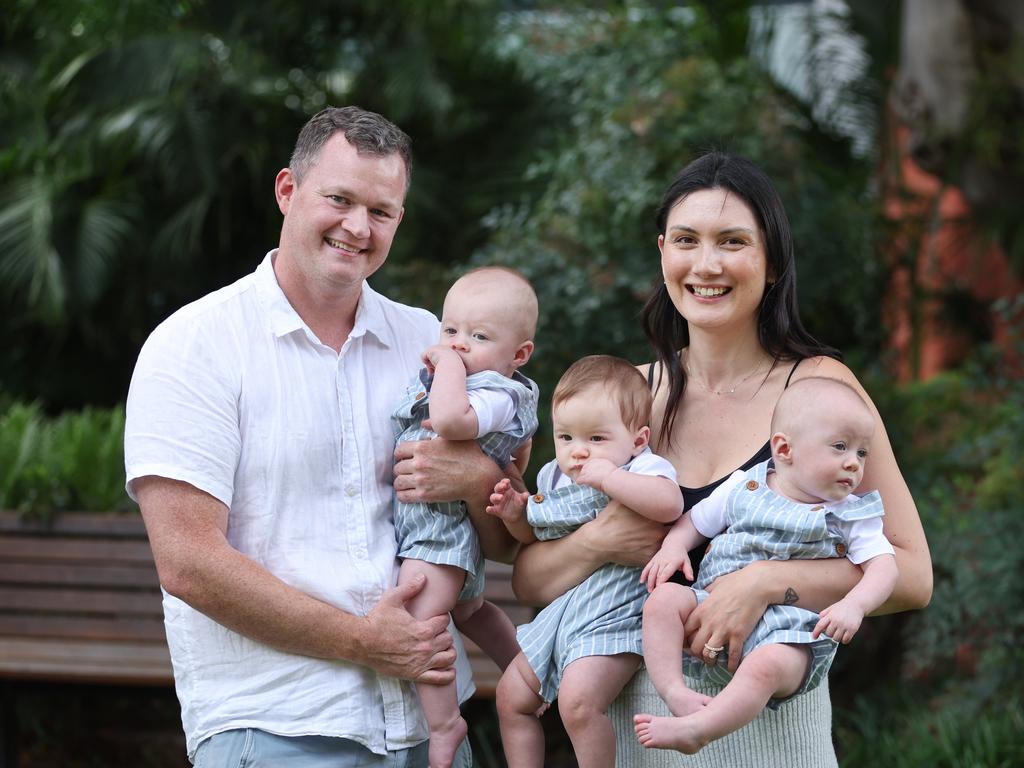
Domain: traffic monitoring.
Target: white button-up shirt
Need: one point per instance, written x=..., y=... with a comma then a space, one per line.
x=236, y=396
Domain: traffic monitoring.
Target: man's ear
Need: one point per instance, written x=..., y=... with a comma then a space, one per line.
x=284, y=187
x=522, y=354
x=782, y=449
x=641, y=439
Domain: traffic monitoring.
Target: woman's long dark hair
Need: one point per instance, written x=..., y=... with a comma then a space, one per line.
x=779, y=329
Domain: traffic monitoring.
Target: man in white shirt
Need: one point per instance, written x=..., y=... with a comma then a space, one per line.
x=258, y=446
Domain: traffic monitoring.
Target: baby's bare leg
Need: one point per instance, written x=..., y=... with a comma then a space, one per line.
x=771, y=671
x=490, y=628
x=665, y=612
x=440, y=702
x=518, y=701
x=589, y=685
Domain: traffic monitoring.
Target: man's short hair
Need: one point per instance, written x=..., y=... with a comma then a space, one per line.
x=368, y=132
x=620, y=379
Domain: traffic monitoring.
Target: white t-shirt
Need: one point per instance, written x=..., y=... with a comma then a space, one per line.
x=864, y=538
x=236, y=396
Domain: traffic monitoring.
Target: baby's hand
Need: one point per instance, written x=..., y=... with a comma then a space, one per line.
x=840, y=621
x=663, y=566
x=507, y=503
x=594, y=472
x=434, y=354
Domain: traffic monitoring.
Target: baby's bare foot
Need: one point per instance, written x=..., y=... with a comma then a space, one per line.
x=444, y=743
x=676, y=733
x=682, y=701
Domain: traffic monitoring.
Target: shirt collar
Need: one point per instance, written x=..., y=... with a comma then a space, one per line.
x=282, y=318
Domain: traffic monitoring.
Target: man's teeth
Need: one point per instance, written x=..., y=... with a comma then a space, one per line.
x=340, y=245
x=700, y=290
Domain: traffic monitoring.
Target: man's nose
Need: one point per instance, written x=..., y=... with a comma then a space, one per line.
x=357, y=222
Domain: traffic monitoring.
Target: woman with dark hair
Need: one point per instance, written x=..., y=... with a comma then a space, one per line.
x=728, y=338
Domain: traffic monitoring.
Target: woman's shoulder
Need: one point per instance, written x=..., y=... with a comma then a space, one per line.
x=823, y=366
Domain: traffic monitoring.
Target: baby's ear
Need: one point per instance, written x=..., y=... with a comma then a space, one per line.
x=782, y=449
x=641, y=439
x=522, y=354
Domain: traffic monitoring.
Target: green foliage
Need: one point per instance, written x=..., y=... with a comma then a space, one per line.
x=873, y=737
x=142, y=140
x=957, y=699
x=72, y=462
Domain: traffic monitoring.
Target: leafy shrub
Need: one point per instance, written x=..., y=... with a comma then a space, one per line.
x=74, y=461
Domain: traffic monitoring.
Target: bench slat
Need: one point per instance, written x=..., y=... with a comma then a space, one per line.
x=82, y=628
x=86, y=575
x=77, y=524
x=74, y=550
x=80, y=601
x=127, y=663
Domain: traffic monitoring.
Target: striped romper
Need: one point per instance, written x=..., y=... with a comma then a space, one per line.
x=763, y=525
x=442, y=533
x=599, y=617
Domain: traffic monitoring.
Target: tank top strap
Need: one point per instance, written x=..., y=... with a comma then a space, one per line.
x=792, y=371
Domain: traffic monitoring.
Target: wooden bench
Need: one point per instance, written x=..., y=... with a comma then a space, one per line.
x=80, y=602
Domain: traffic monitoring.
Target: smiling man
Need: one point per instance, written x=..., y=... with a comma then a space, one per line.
x=259, y=448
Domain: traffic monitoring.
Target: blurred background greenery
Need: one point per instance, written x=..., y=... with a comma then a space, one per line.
x=140, y=141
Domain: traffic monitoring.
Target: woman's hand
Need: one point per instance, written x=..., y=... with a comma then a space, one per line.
x=546, y=569
x=734, y=605
x=619, y=535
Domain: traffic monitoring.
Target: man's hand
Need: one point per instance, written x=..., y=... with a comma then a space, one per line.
x=594, y=472
x=397, y=645
x=507, y=503
x=840, y=621
x=440, y=470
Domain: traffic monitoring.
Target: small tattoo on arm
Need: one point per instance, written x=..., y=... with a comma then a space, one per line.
x=790, y=597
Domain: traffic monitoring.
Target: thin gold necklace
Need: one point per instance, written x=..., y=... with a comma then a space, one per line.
x=720, y=392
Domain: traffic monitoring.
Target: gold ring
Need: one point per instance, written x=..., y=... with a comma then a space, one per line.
x=711, y=651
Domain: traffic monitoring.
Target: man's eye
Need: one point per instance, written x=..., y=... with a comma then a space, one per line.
x=337, y=199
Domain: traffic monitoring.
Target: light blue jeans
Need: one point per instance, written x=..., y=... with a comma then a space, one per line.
x=252, y=748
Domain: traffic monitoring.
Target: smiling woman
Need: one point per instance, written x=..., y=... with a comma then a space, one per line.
x=726, y=317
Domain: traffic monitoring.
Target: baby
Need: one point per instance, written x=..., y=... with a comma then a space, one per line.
x=802, y=507
x=470, y=388
x=586, y=645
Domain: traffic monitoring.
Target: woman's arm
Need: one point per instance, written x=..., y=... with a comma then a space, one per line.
x=546, y=569
x=902, y=524
x=738, y=599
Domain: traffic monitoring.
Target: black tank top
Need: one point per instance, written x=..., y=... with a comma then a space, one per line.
x=692, y=495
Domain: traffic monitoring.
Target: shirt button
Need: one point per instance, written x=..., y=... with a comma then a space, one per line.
x=817, y=508
x=840, y=549
x=752, y=485
x=351, y=491
x=538, y=497
x=420, y=395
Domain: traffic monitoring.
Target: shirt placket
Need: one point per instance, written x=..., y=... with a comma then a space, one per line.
x=354, y=475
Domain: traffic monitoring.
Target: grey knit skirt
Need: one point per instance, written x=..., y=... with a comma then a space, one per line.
x=797, y=735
